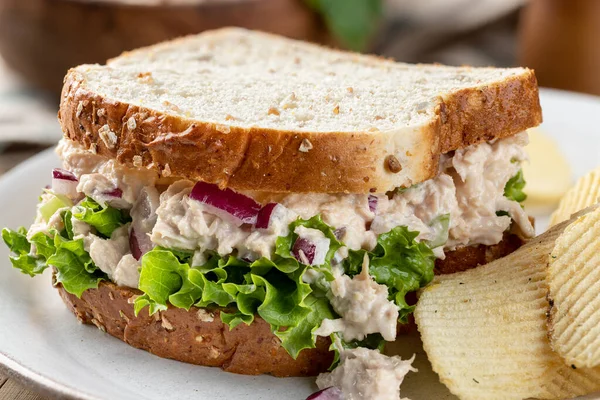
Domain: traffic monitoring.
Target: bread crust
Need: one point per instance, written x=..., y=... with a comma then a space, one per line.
x=465, y=258
x=187, y=336
x=274, y=161
x=203, y=339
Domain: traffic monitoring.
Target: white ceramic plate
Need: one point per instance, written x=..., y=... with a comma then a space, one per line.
x=41, y=342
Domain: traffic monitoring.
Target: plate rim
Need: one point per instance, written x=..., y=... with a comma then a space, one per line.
x=38, y=382
x=48, y=387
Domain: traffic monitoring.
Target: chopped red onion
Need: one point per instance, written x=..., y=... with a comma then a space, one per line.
x=116, y=192
x=304, y=251
x=330, y=393
x=139, y=243
x=339, y=233
x=310, y=247
x=64, y=183
x=266, y=215
x=113, y=197
x=63, y=174
x=134, y=246
x=226, y=204
x=373, y=203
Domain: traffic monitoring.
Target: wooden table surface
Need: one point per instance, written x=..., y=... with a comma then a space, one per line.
x=9, y=388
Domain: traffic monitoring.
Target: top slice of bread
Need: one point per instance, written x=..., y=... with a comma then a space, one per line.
x=254, y=111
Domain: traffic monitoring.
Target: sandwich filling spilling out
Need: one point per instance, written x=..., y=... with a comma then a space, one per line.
x=309, y=264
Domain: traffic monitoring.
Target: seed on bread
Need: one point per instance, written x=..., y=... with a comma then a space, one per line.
x=305, y=146
x=336, y=109
x=137, y=161
x=392, y=164
x=205, y=316
x=214, y=352
x=131, y=124
x=145, y=77
x=171, y=106
x=166, y=324
x=273, y=111
x=125, y=317
x=79, y=109
x=223, y=128
x=98, y=325
x=108, y=137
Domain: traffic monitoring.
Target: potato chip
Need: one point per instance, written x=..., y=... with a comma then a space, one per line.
x=547, y=173
x=585, y=193
x=485, y=330
x=574, y=282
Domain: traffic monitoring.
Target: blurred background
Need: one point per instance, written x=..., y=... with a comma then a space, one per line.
x=41, y=39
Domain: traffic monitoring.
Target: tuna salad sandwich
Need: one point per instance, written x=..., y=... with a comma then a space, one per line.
x=267, y=206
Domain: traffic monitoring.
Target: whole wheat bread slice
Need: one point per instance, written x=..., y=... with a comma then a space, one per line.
x=255, y=111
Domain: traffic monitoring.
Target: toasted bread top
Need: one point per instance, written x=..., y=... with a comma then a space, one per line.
x=254, y=111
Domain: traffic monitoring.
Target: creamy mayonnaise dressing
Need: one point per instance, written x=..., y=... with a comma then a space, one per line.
x=469, y=188
x=365, y=374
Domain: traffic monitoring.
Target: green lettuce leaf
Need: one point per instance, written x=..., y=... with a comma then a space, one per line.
x=16, y=240
x=514, y=188
x=104, y=219
x=301, y=336
x=75, y=269
x=20, y=247
x=273, y=289
x=399, y=262
x=44, y=245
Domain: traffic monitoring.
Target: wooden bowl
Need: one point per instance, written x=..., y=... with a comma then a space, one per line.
x=42, y=39
x=559, y=39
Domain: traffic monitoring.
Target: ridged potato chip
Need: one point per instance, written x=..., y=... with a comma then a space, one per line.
x=574, y=282
x=485, y=330
x=584, y=194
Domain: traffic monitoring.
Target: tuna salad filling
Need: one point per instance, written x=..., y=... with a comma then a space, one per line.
x=337, y=265
x=473, y=200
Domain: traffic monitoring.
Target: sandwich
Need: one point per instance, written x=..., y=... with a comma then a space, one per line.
x=245, y=201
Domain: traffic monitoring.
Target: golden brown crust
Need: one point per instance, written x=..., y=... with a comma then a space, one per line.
x=183, y=335
x=474, y=115
x=271, y=160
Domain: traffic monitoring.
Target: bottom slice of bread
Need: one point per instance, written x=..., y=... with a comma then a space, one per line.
x=198, y=336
